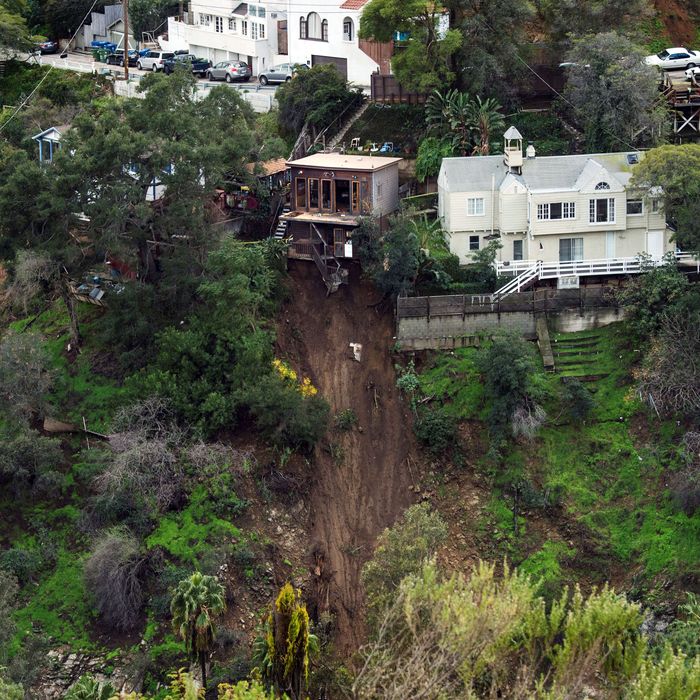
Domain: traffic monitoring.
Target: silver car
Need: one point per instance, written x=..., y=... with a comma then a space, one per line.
x=229, y=71
x=154, y=60
x=281, y=73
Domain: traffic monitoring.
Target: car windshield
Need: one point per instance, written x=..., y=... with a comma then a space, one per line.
x=663, y=54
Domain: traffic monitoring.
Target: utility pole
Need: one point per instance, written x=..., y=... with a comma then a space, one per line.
x=181, y=11
x=125, y=19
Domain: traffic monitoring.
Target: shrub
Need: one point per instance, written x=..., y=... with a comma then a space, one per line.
x=684, y=634
x=346, y=419
x=8, y=605
x=24, y=564
x=24, y=456
x=436, y=430
x=284, y=415
x=113, y=574
x=89, y=688
x=577, y=399
x=401, y=551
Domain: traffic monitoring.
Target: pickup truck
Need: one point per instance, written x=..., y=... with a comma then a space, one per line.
x=199, y=66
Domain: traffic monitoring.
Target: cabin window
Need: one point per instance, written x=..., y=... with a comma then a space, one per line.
x=301, y=193
x=244, y=27
x=325, y=194
x=313, y=193
x=339, y=242
x=342, y=195
x=303, y=32
x=602, y=186
x=231, y=24
x=348, y=29
x=570, y=249
x=355, y=196
x=473, y=242
x=219, y=24
x=634, y=207
x=556, y=210
x=655, y=206
x=601, y=211
x=475, y=206
x=517, y=250
x=314, y=26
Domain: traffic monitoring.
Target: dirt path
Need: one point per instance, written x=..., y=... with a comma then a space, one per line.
x=361, y=481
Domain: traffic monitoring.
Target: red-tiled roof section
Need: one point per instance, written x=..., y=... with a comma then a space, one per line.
x=353, y=4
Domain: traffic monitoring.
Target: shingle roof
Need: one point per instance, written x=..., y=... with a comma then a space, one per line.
x=476, y=173
x=353, y=4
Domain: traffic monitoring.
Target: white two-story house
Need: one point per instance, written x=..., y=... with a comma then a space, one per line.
x=223, y=30
x=553, y=209
x=326, y=33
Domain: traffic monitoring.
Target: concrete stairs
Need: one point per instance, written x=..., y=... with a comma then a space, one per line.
x=578, y=357
x=338, y=138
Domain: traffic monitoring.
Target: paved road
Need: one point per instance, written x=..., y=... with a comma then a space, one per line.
x=84, y=63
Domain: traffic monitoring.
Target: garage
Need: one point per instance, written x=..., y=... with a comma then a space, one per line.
x=341, y=64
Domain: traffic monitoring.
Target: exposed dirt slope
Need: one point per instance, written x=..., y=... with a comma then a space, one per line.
x=680, y=27
x=361, y=477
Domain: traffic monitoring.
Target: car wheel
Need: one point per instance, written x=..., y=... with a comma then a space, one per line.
x=229, y=79
x=121, y=63
x=263, y=80
x=154, y=68
x=139, y=66
x=288, y=78
x=690, y=65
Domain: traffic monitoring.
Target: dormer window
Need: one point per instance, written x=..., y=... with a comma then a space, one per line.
x=602, y=186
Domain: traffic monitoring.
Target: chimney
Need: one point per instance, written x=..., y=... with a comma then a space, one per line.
x=513, y=150
x=530, y=151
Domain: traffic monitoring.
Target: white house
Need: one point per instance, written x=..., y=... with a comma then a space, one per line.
x=222, y=30
x=326, y=33
x=570, y=213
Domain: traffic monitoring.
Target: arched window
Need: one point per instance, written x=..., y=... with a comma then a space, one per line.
x=313, y=25
x=602, y=186
x=324, y=30
x=348, y=29
x=302, y=28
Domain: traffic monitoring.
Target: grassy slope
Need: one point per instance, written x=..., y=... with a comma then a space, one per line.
x=611, y=469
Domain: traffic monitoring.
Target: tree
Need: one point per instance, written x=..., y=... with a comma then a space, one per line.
x=150, y=15
x=64, y=16
x=423, y=61
x=672, y=171
x=283, y=653
x=8, y=605
x=14, y=33
x=465, y=122
x=113, y=574
x=27, y=458
x=317, y=97
x=401, y=551
x=196, y=603
x=431, y=151
x=613, y=94
x=25, y=376
x=493, y=33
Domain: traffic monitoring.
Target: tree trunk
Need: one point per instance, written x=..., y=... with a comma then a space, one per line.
x=203, y=665
x=69, y=301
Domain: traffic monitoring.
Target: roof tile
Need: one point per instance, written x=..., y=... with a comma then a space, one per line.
x=353, y=4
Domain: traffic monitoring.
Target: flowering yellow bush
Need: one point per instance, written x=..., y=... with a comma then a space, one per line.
x=305, y=387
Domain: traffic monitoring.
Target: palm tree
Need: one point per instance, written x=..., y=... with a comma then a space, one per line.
x=485, y=118
x=196, y=602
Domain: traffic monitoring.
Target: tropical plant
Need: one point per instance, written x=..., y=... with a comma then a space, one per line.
x=196, y=603
x=89, y=688
x=283, y=652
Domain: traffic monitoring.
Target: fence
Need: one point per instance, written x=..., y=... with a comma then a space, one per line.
x=537, y=301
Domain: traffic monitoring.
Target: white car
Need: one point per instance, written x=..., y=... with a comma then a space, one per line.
x=154, y=60
x=676, y=58
x=693, y=73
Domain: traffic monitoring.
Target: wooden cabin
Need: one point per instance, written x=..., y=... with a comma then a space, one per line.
x=329, y=193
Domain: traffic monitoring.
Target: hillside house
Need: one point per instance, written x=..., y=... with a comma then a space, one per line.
x=570, y=215
x=326, y=33
x=49, y=142
x=329, y=192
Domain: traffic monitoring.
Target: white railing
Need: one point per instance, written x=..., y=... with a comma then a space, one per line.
x=601, y=266
x=517, y=283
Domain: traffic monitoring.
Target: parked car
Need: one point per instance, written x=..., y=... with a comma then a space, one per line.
x=229, y=71
x=47, y=47
x=154, y=60
x=674, y=59
x=281, y=73
x=693, y=73
x=199, y=66
x=117, y=58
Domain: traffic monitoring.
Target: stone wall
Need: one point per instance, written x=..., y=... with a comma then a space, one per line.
x=447, y=332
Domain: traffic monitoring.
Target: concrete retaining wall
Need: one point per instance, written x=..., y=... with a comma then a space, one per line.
x=447, y=332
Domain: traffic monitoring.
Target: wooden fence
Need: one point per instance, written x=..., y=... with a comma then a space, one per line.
x=537, y=301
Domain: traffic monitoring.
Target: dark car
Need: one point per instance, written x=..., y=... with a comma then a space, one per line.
x=199, y=66
x=117, y=58
x=48, y=47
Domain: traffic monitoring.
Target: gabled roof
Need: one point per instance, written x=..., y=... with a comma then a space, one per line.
x=268, y=167
x=242, y=9
x=53, y=133
x=353, y=4
x=543, y=173
x=512, y=133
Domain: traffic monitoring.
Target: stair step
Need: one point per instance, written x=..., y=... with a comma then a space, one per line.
x=566, y=352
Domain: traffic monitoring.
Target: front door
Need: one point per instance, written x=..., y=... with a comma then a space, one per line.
x=655, y=244
x=339, y=242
